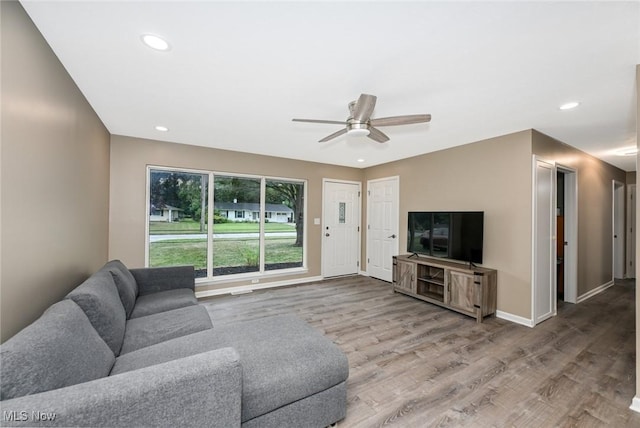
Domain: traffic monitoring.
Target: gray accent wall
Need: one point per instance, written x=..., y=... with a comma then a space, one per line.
x=54, y=191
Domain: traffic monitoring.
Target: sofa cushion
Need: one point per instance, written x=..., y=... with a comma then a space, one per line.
x=125, y=283
x=59, y=349
x=180, y=347
x=146, y=331
x=283, y=360
x=162, y=301
x=99, y=299
x=152, y=280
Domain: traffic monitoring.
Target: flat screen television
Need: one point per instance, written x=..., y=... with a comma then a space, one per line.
x=456, y=235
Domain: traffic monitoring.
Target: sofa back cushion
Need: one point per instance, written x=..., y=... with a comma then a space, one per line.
x=99, y=299
x=125, y=283
x=59, y=349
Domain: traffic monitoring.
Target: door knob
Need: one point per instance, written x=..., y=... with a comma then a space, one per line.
x=393, y=236
x=326, y=234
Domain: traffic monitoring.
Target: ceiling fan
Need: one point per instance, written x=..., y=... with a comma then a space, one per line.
x=361, y=123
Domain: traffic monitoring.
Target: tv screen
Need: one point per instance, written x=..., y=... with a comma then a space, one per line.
x=456, y=235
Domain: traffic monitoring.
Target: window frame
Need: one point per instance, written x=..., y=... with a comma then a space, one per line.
x=262, y=272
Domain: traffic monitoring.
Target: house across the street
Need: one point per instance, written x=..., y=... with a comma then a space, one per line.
x=165, y=213
x=244, y=211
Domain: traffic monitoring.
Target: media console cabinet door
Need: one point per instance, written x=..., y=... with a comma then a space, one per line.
x=462, y=291
x=406, y=272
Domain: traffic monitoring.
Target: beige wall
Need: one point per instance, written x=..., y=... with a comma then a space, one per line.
x=595, y=177
x=493, y=176
x=129, y=160
x=631, y=178
x=54, y=178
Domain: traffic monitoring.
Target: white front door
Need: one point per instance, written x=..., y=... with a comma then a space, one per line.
x=382, y=227
x=341, y=228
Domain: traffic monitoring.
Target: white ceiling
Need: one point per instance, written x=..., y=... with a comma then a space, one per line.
x=238, y=72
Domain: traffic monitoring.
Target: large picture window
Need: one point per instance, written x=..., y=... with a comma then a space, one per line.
x=225, y=224
x=284, y=226
x=177, y=219
x=236, y=238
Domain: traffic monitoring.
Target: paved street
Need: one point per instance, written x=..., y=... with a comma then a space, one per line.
x=203, y=236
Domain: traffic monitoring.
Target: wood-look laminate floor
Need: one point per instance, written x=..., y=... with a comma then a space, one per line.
x=413, y=364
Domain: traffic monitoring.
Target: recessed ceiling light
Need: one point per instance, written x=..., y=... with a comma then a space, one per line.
x=155, y=42
x=162, y=128
x=569, y=105
x=360, y=160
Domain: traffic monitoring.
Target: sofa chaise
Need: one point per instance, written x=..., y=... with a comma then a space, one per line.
x=134, y=348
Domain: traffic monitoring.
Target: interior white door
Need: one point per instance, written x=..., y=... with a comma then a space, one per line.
x=382, y=226
x=544, y=252
x=341, y=228
x=618, y=229
x=570, y=233
x=631, y=231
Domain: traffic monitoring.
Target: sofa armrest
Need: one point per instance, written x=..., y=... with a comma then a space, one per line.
x=152, y=280
x=201, y=390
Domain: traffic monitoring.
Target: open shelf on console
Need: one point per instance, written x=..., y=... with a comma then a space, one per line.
x=431, y=282
x=431, y=291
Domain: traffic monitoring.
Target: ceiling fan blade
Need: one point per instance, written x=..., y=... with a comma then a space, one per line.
x=332, y=122
x=364, y=107
x=334, y=135
x=377, y=135
x=400, y=120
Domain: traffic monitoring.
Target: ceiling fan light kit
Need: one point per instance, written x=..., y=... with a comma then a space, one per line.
x=155, y=42
x=357, y=129
x=360, y=122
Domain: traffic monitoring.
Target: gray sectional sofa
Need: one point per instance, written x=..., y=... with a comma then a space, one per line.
x=134, y=348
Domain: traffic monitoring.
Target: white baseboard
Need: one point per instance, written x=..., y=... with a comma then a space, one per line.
x=593, y=292
x=529, y=323
x=635, y=404
x=251, y=287
x=514, y=318
x=363, y=273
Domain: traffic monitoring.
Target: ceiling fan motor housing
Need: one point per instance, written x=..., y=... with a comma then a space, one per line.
x=357, y=128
